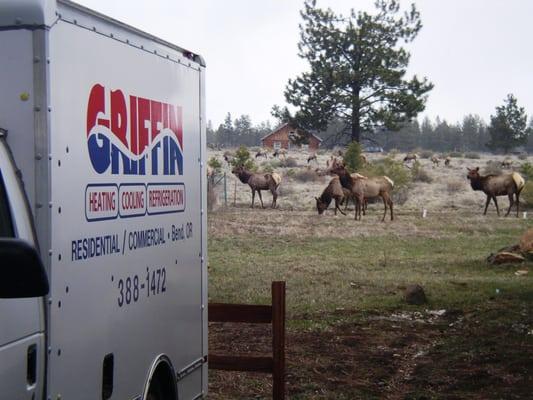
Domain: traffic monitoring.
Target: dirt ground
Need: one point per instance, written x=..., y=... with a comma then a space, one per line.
x=399, y=356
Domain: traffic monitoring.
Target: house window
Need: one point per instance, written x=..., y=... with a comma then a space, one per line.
x=277, y=145
x=305, y=147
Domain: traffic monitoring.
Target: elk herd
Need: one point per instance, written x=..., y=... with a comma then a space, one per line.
x=344, y=186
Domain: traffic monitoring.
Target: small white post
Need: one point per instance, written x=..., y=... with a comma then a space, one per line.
x=424, y=213
x=525, y=214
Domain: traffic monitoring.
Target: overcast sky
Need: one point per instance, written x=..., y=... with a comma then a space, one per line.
x=474, y=51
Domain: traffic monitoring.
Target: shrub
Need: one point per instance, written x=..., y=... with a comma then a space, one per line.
x=391, y=168
x=454, y=186
x=215, y=164
x=493, y=167
x=306, y=175
x=352, y=157
x=424, y=153
x=288, y=162
x=290, y=173
x=522, y=156
x=267, y=167
x=242, y=156
x=473, y=156
x=455, y=154
x=393, y=153
x=420, y=174
x=527, y=170
x=400, y=195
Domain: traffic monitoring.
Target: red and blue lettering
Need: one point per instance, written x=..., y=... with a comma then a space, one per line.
x=133, y=136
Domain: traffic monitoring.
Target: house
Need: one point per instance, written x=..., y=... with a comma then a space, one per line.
x=281, y=139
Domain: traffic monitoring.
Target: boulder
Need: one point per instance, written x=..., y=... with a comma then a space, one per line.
x=414, y=294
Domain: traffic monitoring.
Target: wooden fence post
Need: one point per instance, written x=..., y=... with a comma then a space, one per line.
x=278, y=340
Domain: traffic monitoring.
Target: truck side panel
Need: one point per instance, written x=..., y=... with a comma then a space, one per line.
x=127, y=221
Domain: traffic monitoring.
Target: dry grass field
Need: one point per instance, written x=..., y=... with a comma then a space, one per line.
x=350, y=333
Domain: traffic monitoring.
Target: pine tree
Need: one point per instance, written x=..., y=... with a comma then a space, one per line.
x=508, y=128
x=357, y=69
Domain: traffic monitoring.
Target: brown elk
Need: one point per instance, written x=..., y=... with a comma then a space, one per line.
x=261, y=153
x=410, y=157
x=334, y=191
x=258, y=182
x=311, y=158
x=447, y=161
x=354, y=184
x=498, y=185
x=435, y=160
x=379, y=186
x=507, y=163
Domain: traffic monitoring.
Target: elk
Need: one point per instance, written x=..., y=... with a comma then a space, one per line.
x=410, y=157
x=258, y=182
x=447, y=161
x=228, y=156
x=435, y=160
x=379, y=186
x=261, y=153
x=507, y=163
x=334, y=191
x=279, y=153
x=498, y=185
x=311, y=158
x=354, y=184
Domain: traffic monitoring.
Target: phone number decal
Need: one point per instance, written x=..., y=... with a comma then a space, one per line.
x=134, y=288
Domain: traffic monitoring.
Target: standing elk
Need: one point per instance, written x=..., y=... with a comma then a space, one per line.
x=435, y=160
x=379, y=186
x=354, y=184
x=447, y=161
x=498, y=185
x=334, y=191
x=507, y=163
x=410, y=157
x=311, y=158
x=258, y=182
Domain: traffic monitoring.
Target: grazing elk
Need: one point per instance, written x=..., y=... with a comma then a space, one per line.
x=498, y=185
x=334, y=191
x=258, y=182
x=279, y=153
x=379, y=186
x=447, y=161
x=354, y=184
x=410, y=157
x=228, y=156
x=261, y=153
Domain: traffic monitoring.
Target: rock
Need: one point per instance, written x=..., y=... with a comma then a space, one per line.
x=526, y=241
x=505, y=257
x=414, y=294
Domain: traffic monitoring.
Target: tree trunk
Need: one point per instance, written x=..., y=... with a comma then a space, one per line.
x=356, y=125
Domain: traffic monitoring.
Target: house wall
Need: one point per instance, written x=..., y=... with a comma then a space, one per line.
x=281, y=139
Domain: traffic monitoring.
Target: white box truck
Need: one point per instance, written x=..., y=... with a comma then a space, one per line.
x=103, y=286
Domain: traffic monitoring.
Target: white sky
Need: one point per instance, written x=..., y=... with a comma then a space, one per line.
x=474, y=51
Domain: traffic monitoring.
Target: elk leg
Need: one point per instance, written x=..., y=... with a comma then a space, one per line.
x=253, y=197
x=385, y=212
x=486, y=205
x=260, y=198
x=517, y=203
x=274, y=197
x=338, y=208
x=511, y=202
x=496, y=204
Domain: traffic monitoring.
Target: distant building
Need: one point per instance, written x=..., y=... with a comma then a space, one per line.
x=281, y=139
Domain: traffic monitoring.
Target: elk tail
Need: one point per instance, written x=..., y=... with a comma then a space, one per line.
x=276, y=178
x=519, y=181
